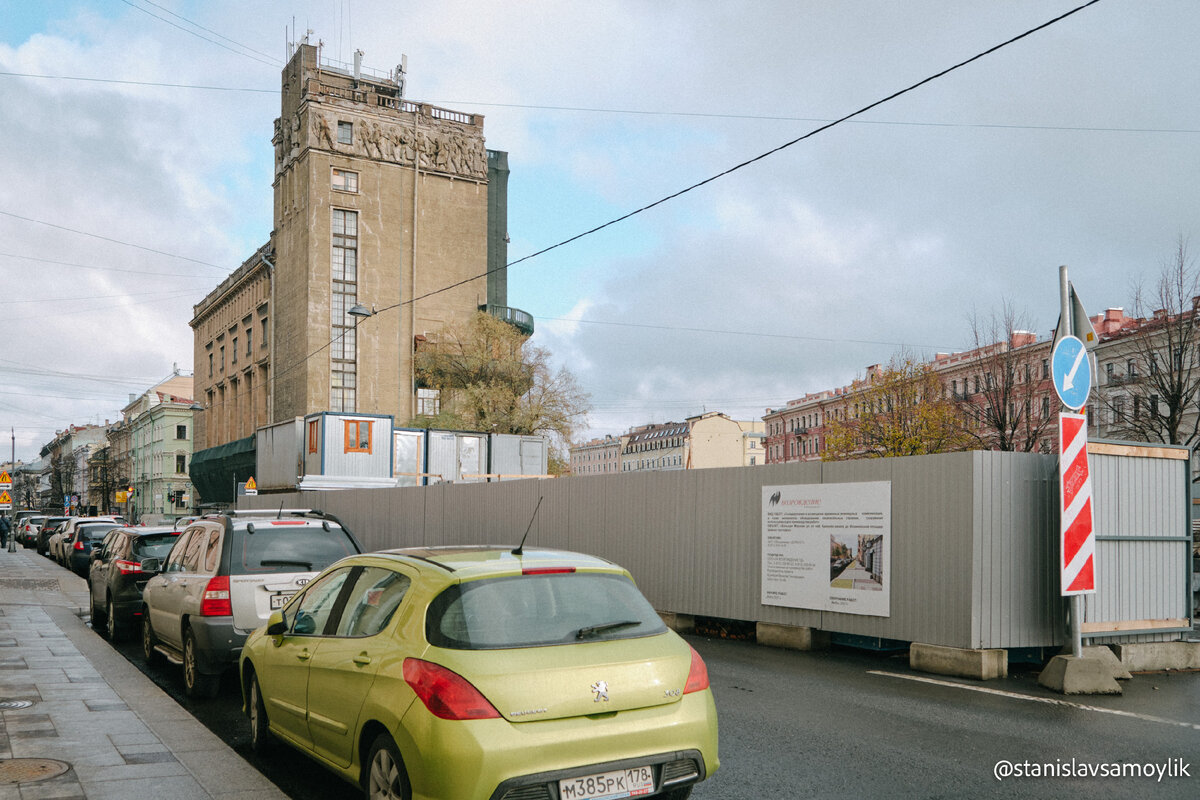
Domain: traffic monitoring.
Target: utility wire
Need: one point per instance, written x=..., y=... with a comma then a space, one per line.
x=199, y=36
x=193, y=276
x=643, y=112
x=208, y=30
x=718, y=176
x=225, y=270
x=838, y=339
x=137, y=83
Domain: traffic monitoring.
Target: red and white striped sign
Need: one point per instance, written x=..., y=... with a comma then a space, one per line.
x=1078, y=542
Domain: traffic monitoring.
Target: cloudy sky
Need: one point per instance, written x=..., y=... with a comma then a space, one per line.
x=138, y=174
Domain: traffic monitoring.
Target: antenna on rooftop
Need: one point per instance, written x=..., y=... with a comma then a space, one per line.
x=520, y=549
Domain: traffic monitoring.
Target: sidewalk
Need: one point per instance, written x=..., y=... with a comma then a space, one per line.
x=79, y=721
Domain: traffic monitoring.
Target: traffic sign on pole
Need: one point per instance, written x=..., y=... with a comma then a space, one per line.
x=1078, y=534
x=1072, y=372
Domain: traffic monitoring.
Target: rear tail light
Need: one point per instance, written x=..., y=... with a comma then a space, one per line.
x=445, y=693
x=79, y=545
x=698, y=675
x=127, y=567
x=215, y=602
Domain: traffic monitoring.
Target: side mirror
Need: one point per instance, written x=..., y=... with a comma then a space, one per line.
x=151, y=565
x=96, y=553
x=276, y=624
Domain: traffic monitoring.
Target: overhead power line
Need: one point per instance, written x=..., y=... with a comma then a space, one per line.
x=137, y=83
x=718, y=176
x=270, y=63
x=226, y=270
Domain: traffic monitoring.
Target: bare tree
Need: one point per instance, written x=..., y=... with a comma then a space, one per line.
x=1006, y=411
x=1154, y=397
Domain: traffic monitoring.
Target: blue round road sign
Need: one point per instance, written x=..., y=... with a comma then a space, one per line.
x=1072, y=372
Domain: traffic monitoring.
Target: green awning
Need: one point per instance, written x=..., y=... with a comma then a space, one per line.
x=216, y=471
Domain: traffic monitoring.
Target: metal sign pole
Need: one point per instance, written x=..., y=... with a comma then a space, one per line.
x=1067, y=323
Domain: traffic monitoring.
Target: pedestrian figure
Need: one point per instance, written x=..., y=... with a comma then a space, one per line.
x=5, y=527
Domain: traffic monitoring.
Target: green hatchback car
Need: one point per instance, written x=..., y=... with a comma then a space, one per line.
x=483, y=673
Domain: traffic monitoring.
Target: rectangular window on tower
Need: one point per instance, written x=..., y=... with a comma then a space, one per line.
x=345, y=180
x=345, y=132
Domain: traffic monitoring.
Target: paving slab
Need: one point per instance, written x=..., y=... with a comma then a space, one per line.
x=121, y=736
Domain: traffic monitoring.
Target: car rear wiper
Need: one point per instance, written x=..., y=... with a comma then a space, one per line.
x=592, y=630
x=286, y=563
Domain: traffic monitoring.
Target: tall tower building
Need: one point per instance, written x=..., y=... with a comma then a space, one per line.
x=383, y=203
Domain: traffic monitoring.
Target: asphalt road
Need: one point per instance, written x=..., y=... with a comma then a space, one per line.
x=850, y=724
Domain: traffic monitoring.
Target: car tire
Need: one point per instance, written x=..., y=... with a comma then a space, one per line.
x=97, y=615
x=148, y=639
x=115, y=631
x=384, y=775
x=260, y=729
x=196, y=683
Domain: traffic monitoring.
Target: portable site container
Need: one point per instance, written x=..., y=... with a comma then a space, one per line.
x=456, y=457
x=408, y=456
x=513, y=456
x=342, y=451
x=278, y=464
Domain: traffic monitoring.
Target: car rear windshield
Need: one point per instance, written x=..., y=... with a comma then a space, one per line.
x=539, y=610
x=154, y=545
x=93, y=533
x=287, y=548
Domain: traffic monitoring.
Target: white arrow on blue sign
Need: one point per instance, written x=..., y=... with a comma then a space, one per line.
x=1072, y=372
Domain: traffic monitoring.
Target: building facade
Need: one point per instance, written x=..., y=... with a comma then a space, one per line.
x=601, y=456
x=383, y=206
x=711, y=439
x=161, y=434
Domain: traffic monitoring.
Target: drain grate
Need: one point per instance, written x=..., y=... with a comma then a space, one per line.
x=12, y=705
x=31, y=770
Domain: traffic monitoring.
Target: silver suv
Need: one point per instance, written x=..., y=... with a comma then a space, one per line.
x=224, y=577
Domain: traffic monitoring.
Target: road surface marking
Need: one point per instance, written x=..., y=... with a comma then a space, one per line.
x=1049, y=700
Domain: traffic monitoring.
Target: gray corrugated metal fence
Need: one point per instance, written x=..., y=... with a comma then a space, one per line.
x=974, y=537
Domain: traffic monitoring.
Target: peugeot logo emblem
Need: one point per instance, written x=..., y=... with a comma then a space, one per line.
x=601, y=690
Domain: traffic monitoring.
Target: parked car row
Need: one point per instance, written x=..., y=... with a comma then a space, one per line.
x=443, y=672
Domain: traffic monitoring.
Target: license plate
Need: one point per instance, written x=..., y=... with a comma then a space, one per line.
x=278, y=600
x=608, y=785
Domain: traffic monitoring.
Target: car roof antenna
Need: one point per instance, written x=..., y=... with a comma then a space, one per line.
x=281, y=502
x=520, y=549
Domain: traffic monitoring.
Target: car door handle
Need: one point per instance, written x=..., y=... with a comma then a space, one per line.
x=303, y=655
x=362, y=659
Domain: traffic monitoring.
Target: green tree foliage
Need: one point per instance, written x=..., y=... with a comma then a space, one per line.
x=902, y=410
x=491, y=379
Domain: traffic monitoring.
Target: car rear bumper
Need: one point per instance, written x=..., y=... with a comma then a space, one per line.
x=496, y=759
x=218, y=643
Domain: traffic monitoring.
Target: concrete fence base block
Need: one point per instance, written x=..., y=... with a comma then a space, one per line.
x=680, y=623
x=791, y=637
x=965, y=663
x=1079, y=675
x=1107, y=657
x=1153, y=656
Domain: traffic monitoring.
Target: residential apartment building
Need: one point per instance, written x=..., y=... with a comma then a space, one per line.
x=706, y=440
x=1015, y=373
x=600, y=456
x=64, y=480
x=160, y=424
x=388, y=225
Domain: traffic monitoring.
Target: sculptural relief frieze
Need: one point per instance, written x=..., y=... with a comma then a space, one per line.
x=433, y=145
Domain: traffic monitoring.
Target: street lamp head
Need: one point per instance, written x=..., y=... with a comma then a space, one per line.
x=359, y=310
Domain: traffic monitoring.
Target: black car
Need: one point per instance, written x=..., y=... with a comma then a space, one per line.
x=77, y=551
x=117, y=575
x=50, y=527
